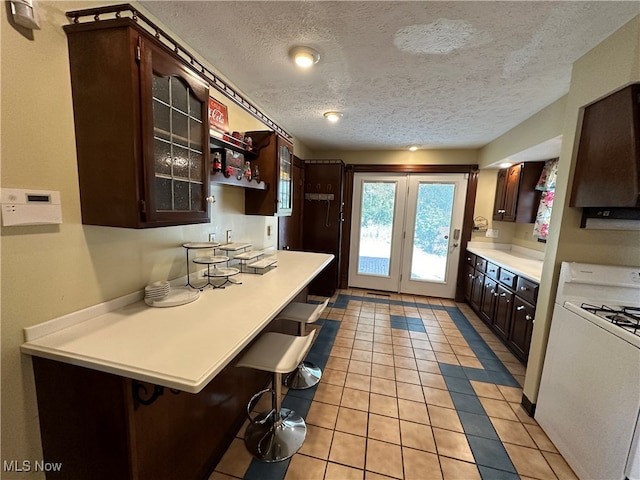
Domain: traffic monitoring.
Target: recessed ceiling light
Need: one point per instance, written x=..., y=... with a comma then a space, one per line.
x=304, y=57
x=413, y=148
x=333, y=116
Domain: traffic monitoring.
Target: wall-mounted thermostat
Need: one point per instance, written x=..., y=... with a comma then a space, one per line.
x=30, y=207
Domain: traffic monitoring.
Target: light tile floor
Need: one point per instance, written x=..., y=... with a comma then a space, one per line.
x=412, y=388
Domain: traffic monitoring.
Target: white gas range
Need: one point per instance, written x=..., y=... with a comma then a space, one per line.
x=589, y=398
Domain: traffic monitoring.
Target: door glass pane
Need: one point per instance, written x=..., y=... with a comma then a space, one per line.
x=432, y=227
x=181, y=195
x=180, y=162
x=162, y=157
x=196, y=196
x=179, y=127
x=163, y=194
x=284, y=191
x=376, y=227
x=161, y=120
x=161, y=88
x=196, y=166
x=178, y=158
x=179, y=95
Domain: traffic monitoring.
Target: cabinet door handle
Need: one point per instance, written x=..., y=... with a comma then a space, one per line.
x=523, y=289
x=503, y=294
x=520, y=307
x=528, y=317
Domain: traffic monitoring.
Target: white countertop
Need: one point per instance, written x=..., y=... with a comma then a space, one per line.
x=180, y=347
x=521, y=261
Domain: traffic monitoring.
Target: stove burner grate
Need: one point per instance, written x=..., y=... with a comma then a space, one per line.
x=624, y=317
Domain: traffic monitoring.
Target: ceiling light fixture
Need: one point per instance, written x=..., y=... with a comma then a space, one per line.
x=333, y=116
x=304, y=57
x=505, y=165
x=413, y=148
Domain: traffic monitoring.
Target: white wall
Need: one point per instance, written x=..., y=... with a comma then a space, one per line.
x=49, y=271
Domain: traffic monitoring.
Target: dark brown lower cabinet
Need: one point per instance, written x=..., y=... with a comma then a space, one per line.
x=101, y=426
x=504, y=301
x=475, y=286
x=502, y=317
x=521, y=327
x=488, y=303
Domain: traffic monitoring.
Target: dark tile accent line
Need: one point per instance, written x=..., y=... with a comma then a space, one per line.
x=494, y=370
x=488, y=473
x=478, y=425
x=490, y=455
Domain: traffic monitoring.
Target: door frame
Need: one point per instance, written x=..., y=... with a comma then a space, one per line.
x=469, y=207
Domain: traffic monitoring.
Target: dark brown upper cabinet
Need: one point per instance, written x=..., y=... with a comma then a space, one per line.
x=142, y=133
x=275, y=164
x=516, y=197
x=608, y=161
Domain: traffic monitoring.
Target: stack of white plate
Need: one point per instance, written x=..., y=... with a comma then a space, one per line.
x=156, y=290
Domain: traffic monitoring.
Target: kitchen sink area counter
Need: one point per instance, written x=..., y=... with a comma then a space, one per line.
x=177, y=347
x=522, y=261
x=501, y=284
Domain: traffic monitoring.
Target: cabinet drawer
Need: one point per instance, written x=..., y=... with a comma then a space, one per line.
x=481, y=264
x=492, y=270
x=507, y=278
x=527, y=290
x=470, y=259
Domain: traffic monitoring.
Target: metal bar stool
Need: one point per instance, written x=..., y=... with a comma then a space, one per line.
x=307, y=374
x=277, y=434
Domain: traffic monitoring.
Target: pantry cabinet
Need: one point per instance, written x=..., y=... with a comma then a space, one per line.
x=505, y=301
x=275, y=164
x=141, y=125
x=516, y=198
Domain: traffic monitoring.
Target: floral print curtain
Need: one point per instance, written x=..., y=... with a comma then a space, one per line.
x=546, y=184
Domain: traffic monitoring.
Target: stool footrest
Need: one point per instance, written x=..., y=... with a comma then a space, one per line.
x=252, y=404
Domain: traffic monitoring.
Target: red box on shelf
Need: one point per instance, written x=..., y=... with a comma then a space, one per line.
x=218, y=118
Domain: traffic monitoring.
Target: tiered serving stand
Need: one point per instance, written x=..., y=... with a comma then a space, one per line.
x=241, y=253
x=214, y=260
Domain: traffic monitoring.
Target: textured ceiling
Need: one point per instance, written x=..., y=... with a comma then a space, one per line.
x=435, y=74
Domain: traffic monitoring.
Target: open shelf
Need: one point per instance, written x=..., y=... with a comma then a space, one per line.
x=243, y=182
x=217, y=143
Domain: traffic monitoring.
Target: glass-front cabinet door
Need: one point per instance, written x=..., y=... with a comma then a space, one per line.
x=284, y=200
x=176, y=155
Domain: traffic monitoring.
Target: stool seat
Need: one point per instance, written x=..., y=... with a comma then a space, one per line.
x=303, y=312
x=307, y=374
x=276, y=352
x=277, y=434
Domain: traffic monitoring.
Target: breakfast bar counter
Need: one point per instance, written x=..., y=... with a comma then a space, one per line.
x=138, y=392
x=180, y=347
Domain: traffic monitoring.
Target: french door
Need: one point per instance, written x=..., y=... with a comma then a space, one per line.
x=405, y=232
